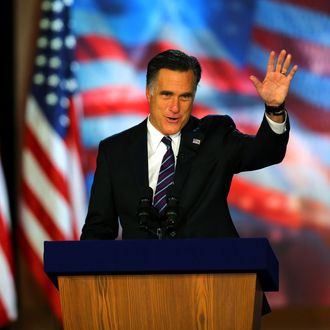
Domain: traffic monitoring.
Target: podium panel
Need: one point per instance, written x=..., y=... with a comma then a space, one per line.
x=161, y=302
x=155, y=285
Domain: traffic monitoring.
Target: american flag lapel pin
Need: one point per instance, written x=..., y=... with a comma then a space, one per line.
x=196, y=141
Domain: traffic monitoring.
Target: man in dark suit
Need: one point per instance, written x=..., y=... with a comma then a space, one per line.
x=207, y=152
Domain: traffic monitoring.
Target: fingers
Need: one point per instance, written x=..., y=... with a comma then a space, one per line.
x=286, y=64
x=270, y=64
x=256, y=82
x=292, y=72
x=281, y=59
x=282, y=64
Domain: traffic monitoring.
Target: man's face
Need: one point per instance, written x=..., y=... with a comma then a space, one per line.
x=171, y=98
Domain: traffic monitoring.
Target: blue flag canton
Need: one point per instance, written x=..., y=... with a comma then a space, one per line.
x=53, y=79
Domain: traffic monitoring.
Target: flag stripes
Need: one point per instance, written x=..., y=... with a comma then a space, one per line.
x=8, y=308
x=232, y=39
x=53, y=187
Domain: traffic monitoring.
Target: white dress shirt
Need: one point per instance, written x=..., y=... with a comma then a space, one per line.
x=157, y=149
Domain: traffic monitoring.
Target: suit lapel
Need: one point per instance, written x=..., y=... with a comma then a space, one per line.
x=191, y=140
x=139, y=155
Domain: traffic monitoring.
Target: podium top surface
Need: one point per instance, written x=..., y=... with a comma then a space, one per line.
x=225, y=255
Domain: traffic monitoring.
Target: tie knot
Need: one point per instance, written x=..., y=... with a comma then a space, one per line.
x=167, y=141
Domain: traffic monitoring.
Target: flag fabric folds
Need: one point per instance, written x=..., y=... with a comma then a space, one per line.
x=8, y=308
x=89, y=80
x=288, y=203
x=53, y=189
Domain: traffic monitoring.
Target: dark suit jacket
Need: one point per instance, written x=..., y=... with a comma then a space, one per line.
x=202, y=181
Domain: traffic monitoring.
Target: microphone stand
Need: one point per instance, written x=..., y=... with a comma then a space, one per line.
x=171, y=214
x=147, y=213
x=149, y=219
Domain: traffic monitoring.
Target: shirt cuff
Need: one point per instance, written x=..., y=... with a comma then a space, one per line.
x=278, y=128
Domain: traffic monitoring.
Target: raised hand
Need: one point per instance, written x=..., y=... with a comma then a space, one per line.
x=275, y=86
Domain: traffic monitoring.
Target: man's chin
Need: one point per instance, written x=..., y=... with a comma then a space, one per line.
x=172, y=128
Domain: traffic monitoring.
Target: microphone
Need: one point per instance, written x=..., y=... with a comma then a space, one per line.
x=144, y=208
x=172, y=211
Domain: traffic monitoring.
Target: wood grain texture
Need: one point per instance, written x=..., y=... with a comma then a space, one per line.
x=185, y=301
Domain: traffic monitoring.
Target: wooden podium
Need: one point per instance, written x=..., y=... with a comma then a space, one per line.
x=162, y=284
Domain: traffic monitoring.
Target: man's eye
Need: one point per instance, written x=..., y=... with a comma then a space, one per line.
x=166, y=94
x=185, y=97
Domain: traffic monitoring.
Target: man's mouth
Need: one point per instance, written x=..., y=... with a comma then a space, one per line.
x=172, y=119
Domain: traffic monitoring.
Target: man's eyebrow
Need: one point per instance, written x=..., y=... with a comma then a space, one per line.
x=187, y=94
x=167, y=92
x=163, y=92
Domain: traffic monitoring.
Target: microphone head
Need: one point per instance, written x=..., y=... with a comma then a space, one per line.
x=172, y=199
x=144, y=207
x=147, y=192
x=145, y=203
x=146, y=196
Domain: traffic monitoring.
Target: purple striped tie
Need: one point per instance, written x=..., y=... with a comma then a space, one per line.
x=165, y=177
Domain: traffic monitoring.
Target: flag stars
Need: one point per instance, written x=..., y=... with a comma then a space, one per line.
x=57, y=25
x=56, y=43
x=46, y=5
x=55, y=62
x=51, y=99
x=53, y=80
x=41, y=60
x=42, y=42
x=71, y=85
x=44, y=24
x=70, y=41
x=54, y=72
x=64, y=120
x=64, y=102
x=38, y=78
x=57, y=6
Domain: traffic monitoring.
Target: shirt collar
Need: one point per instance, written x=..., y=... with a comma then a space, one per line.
x=155, y=137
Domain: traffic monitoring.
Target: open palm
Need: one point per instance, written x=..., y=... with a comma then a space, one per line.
x=275, y=86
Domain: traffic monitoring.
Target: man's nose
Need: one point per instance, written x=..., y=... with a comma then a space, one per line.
x=175, y=106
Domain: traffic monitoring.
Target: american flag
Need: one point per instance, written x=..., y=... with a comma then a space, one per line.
x=8, y=308
x=53, y=187
x=288, y=203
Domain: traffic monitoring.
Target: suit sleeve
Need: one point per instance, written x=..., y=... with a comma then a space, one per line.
x=102, y=219
x=252, y=152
